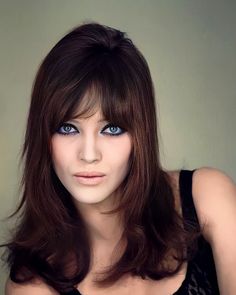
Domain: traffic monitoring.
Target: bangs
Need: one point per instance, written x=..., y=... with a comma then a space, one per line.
x=100, y=95
x=104, y=89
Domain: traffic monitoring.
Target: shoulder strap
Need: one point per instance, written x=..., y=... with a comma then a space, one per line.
x=185, y=186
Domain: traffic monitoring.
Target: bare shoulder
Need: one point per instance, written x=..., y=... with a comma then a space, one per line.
x=214, y=196
x=36, y=288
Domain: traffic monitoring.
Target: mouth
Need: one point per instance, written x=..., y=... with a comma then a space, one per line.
x=89, y=174
x=89, y=180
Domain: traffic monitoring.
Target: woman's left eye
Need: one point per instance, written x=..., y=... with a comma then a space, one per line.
x=113, y=130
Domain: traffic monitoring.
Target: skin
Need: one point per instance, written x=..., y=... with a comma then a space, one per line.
x=86, y=146
x=214, y=196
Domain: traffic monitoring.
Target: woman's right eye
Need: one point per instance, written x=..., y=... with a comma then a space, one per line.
x=66, y=129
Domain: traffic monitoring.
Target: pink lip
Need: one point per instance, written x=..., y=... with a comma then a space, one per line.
x=89, y=174
x=89, y=180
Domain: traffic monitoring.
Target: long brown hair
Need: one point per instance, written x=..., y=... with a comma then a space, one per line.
x=51, y=240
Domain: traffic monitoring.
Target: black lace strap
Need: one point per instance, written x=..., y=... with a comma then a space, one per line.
x=185, y=186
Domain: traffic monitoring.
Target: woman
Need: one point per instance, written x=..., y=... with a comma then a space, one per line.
x=99, y=214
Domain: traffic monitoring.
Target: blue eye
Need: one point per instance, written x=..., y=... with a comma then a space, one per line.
x=66, y=129
x=69, y=129
x=114, y=130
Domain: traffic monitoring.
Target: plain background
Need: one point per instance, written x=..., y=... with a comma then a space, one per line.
x=190, y=47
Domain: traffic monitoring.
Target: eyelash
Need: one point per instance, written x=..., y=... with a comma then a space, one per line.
x=76, y=130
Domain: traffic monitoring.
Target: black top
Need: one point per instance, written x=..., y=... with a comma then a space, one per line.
x=201, y=275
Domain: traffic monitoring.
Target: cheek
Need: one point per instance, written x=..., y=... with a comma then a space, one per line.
x=60, y=155
x=119, y=154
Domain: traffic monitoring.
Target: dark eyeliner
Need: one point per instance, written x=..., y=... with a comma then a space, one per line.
x=67, y=133
x=113, y=125
x=63, y=125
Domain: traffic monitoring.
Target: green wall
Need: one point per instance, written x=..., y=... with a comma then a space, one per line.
x=190, y=46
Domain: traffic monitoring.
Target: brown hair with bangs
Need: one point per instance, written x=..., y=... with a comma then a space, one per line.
x=94, y=65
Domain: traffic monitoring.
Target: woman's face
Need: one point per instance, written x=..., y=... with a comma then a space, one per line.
x=82, y=146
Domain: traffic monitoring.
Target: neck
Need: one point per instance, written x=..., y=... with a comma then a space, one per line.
x=104, y=229
x=105, y=232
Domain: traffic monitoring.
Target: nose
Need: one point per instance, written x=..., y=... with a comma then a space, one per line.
x=89, y=150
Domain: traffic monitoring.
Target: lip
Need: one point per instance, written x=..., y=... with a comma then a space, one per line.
x=89, y=180
x=89, y=174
